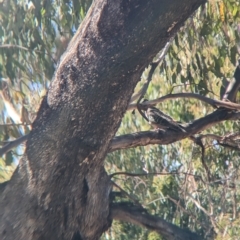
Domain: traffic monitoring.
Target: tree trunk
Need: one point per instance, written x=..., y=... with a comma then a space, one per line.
x=60, y=189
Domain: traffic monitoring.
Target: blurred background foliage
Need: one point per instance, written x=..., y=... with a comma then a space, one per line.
x=201, y=59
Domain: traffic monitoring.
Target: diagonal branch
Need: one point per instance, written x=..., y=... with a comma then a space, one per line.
x=203, y=225
x=13, y=144
x=214, y=103
x=230, y=141
x=199, y=142
x=14, y=46
x=126, y=194
x=154, y=65
x=156, y=173
x=168, y=136
x=139, y=216
x=152, y=137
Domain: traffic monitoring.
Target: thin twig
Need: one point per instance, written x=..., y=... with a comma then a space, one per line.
x=205, y=211
x=155, y=173
x=187, y=212
x=154, y=65
x=14, y=124
x=13, y=46
x=144, y=90
x=228, y=141
x=12, y=144
x=214, y=103
x=198, y=141
x=27, y=49
x=128, y=195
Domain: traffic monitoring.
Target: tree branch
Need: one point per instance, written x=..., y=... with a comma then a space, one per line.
x=198, y=141
x=168, y=136
x=126, y=194
x=187, y=212
x=152, y=137
x=14, y=46
x=139, y=216
x=13, y=144
x=154, y=65
x=214, y=103
x=14, y=124
x=230, y=141
x=155, y=173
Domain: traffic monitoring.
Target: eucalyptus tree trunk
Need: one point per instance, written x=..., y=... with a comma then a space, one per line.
x=60, y=189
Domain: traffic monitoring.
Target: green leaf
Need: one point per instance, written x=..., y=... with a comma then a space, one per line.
x=235, y=10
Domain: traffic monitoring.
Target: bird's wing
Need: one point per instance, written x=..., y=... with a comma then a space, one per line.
x=160, y=120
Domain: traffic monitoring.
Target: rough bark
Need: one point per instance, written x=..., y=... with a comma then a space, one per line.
x=60, y=189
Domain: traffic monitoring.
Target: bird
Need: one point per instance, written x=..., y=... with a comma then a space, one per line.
x=160, y=120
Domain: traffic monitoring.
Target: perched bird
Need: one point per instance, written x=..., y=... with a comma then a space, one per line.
x=159, y=120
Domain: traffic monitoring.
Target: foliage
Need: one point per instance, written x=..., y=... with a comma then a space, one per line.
x=202, y=55
x=33, y=36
